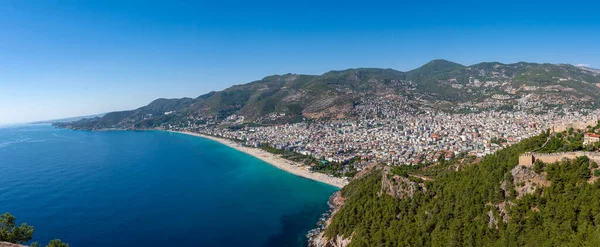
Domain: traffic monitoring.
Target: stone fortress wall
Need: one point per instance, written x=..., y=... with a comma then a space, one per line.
x=527, y=159
x=559, y=127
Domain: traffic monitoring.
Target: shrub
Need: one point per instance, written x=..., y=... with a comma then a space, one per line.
x=538, y=166
x=10, y=232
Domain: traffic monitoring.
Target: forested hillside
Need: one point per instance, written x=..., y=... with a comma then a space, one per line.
x=481, y=204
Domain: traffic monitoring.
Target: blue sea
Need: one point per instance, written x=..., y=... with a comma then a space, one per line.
x=150, y=188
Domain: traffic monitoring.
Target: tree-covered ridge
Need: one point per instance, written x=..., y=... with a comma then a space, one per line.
x=438, y=85
x=470, y=207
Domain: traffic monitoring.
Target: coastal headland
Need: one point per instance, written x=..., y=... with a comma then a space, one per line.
x=274, y=160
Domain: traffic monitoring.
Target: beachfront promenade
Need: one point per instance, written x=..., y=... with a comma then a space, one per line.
x=281, y=163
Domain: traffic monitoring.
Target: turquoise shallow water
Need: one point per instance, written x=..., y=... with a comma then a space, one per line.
x=151, y=188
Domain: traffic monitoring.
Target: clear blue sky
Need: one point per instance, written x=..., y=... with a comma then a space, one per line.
x=69, y=58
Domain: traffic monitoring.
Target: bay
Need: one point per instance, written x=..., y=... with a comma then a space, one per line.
x=150, y=188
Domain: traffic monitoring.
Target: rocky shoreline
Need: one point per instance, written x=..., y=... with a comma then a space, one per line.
x=316, y=233
x=7, y=244
x=316, y=237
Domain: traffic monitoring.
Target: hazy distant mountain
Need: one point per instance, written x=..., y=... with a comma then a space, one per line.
x=437, y=85
x=64, y=120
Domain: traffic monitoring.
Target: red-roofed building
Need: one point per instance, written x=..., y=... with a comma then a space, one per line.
x=589, y=138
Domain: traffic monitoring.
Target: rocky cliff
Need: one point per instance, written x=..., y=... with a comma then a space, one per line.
x=317, y=238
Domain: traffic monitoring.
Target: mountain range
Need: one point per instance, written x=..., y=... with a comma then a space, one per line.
x=70, y=119
x=439, y=85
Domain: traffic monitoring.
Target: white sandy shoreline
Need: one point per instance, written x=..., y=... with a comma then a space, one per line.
x=276, y=161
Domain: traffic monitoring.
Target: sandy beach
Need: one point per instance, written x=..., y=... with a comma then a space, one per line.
x=281, y=163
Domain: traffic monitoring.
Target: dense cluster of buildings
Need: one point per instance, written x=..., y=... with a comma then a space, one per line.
x=381, y=134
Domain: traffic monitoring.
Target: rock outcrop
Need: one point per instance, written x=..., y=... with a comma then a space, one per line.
x=398, y=186
x=527, y=181
x=497, y=213
x=7, y=244
x=524, y=181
